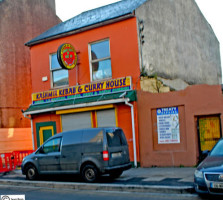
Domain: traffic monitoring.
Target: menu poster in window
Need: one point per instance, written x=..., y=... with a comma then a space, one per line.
x=168, y=125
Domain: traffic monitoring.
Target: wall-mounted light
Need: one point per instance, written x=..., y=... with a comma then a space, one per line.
x=44, y=79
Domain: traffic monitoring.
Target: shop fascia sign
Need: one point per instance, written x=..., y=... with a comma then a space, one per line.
x=82, y=91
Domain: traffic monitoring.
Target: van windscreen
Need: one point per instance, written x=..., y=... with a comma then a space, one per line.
x=115, y=137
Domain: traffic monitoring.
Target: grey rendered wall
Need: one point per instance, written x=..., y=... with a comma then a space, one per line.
x=179, y=42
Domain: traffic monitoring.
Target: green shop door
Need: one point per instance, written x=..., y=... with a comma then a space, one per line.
x=44, y=131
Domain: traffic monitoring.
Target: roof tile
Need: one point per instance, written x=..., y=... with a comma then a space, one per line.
x=89, y=18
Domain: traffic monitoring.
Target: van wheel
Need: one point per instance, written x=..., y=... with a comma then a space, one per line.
x=89, y=173
x=115, y=174
x=31, y=172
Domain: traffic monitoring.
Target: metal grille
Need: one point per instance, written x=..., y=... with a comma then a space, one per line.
x=213, y=177
x=106, y=118
x=76, y=121
x=209, y=132
x=216, y=190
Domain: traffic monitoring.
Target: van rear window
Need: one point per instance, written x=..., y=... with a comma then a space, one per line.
x=115, y=137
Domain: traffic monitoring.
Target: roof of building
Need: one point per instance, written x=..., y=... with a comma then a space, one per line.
x=89, y=18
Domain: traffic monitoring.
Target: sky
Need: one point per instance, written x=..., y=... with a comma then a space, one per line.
x=211, y=9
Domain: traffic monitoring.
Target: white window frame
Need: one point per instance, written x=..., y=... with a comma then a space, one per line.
x=98, y=60
x=51, y=74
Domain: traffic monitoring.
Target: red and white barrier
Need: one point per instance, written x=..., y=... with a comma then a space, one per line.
x=9, y=161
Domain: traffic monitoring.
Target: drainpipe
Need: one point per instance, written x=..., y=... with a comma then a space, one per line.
x=31, y=128
x=133, y=131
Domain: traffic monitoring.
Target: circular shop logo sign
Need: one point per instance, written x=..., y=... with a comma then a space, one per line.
x=5, y=198
x=158, y=111
x=67, y=56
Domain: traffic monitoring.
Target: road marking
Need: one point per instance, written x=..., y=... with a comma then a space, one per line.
x=154, y=179
x=188, y=179
x=123, y=178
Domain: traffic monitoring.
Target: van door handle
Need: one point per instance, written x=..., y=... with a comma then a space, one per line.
x=63, y=156
x=56, y=157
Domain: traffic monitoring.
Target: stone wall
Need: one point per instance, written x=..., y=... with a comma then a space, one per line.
x=178, y=42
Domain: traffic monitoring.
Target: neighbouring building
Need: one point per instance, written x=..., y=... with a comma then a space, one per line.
x=20, y=21
x=195, y=116
x=102, y=67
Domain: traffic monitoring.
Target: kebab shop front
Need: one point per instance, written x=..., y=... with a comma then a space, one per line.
x=99, y=104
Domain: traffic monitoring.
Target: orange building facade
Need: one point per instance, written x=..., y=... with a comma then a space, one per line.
x=116, y=107
x=103, y=89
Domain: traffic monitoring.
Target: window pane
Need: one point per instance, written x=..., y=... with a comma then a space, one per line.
x=60, y=78
x=100, y=50
x=218, y=149
x=102, y=69
x=52, y=146
x=54, y=62
x=115, y=138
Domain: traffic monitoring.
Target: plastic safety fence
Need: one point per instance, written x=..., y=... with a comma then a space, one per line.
x=9, y=161
x=6, y=162
x=19, y=155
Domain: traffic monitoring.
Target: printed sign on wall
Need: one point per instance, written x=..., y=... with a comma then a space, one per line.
x=168, y=125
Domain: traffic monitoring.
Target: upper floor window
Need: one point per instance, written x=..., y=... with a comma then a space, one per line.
x=100, y=60
x=59, y=76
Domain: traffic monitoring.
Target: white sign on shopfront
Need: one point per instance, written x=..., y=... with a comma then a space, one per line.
x=168, y=125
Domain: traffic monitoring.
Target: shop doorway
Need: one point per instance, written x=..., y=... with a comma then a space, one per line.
x=209, y=132
x=44, y=131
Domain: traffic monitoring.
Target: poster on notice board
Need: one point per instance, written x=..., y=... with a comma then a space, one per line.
x=168, y=125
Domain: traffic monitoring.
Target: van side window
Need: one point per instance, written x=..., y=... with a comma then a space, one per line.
x=115, y=138
x=52, y=145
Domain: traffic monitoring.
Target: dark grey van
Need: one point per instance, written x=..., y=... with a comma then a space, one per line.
x=90, y=152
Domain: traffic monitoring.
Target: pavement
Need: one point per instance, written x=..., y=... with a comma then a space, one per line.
x=156, y=180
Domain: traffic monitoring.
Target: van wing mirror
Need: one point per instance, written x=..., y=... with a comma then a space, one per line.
x=203, y=155
x=41, y=150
